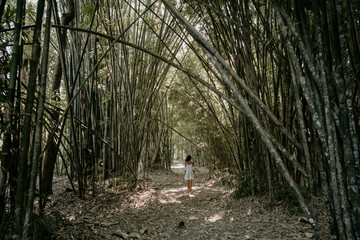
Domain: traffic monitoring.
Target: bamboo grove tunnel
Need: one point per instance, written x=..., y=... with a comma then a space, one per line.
x=265, y=92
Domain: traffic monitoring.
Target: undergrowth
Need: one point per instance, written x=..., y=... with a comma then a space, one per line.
x=235, y=181
x=286, y=197
x=43, y=227
x=242, y=188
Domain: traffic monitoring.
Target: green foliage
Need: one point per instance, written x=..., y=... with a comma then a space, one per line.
x=45, y=227
x=287, y=198
x=270, y=205
x=4, y=72
x=243, y=189
x=30, y=12
x=236, y=181
x=227, y=180
x=9, y=14
x=88, y=9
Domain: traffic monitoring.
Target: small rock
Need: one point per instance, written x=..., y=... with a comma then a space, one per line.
x=165, y=235
x=303, y=220
x=143, y=230
x=309, y=235
x=134, y=235
x=193, y=218
x=120, y=233
x=106, y=224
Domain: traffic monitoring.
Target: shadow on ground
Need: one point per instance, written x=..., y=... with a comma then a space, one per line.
x=166, y=211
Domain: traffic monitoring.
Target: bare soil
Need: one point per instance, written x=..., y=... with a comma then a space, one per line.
x=166, y=211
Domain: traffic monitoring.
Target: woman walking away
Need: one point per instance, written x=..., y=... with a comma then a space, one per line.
x=189, y=172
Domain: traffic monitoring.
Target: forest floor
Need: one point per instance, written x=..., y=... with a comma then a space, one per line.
x=166, y=211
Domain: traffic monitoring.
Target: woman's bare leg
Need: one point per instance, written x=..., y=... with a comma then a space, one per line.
x=191, y=185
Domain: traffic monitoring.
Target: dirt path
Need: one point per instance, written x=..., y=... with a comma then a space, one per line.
x=166, y=211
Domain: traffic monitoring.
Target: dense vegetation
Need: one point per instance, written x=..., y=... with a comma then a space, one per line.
x=267, y=91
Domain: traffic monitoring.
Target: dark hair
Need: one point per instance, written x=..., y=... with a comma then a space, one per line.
x=188, y=158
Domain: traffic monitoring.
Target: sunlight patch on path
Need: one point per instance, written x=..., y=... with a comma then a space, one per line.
x=166, y=211
x=173, y=190
x=216, y=217
x=177, y=165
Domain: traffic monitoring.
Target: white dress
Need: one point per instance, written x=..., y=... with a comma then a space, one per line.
x=189, y=174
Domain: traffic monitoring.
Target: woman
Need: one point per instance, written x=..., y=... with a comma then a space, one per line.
x=189, y=172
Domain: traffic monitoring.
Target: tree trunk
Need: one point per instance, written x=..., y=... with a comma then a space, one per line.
x=6, y=153
x=26, y=131
x=51, y=152
x=38, y=122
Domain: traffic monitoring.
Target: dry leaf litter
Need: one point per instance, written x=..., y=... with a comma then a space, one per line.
x=166, y=211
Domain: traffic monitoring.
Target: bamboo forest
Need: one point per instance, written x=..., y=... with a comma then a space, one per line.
x=180, y=119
